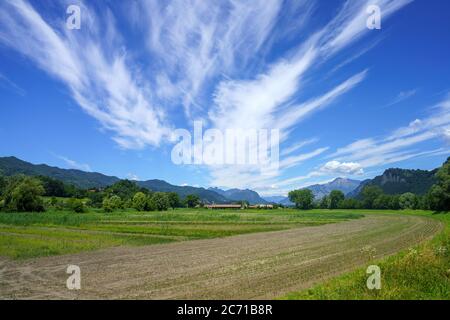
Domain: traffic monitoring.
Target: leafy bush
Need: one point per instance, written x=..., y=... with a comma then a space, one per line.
x=76, y=205
x=141, y=202
x=112, y=203
x=159, y=201
x=23, y=194
x=96, y=198
x=408, y=201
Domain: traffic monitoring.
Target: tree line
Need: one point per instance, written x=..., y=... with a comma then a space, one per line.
x=22, y=193
x=373, y=197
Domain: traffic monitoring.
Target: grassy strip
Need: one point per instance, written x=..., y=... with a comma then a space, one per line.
x=419, y=273
x=38, y=243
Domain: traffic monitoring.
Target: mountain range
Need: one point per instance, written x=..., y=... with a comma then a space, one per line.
x=86, y=180
x=321, y=190
x=237, y=195
x=392, y=181
x=399, y=181
x=342, y=184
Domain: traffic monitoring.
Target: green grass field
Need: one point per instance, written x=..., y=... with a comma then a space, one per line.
x=422, y=272
x=28, y=235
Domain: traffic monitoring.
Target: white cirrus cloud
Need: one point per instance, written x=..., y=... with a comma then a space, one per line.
x=97, y=73
x=396, y=146
x=72, y=164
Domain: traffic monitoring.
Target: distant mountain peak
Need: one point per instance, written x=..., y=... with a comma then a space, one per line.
x=343, y=184
x=240, y=195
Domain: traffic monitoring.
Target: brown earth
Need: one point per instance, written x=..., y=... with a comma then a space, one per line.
x=253, y=266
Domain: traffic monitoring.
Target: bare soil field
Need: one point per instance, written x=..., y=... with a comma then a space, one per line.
x=251, y=266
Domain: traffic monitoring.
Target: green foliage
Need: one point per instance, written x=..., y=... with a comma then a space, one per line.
x=349, y=203
x=335, y=198
x=141, y=202
x=112, y=203
x=192, y=200
x=408, y=201
x=159, y=201
x=174, y=200
x=303, y=198
x=52, y=187
x=369, y=194
x=76, y=205
x=95, y=198
x=439, y=195
x=125, y=189
x=324, y=202
x=23, y=194
x=382, y=202
x=3, y=184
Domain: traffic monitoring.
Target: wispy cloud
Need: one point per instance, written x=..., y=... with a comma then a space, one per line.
x=402, y=96
x=210, y=61
x=204, y=41
x=74, y=164
x=297, y=146
x=10, y=85
x=397, y=146
x=295, y=160
x=98, y=73
x=268, y=100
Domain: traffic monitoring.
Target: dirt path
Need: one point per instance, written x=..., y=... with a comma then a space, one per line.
x=261, y=265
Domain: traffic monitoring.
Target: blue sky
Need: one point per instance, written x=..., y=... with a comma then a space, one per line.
x=348, y=101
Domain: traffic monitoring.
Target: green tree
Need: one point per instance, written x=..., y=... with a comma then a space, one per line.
x=349, y=203
x=159, y=201
x=408, y=201
x=52, y=187
x=112, y=203
x=303, y=198
x=324, y=203
x=394, y=203
x=192, y=200
x=125, y=189
x=369, y=194
x=23, y=194
x=76, y=205
x=439, y=194
x=335, y=196
x=174, y=200
x=141, y=202
x=96, y=198
x=423, y=202
x=3, y=184
x=383, y=201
